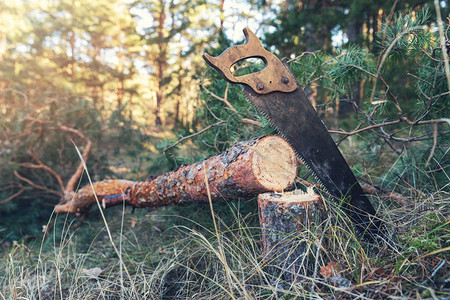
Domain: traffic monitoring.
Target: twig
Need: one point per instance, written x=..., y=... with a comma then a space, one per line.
x=388, y=90
x=438, y=267
x=251, y=122
x=42, y=166
x=382, y=58
x=403, y=119
x=388, y=21
x=20, y=192
x=227, y=103
x=194, y=134
x=365, y=128
x=435, y=135
x=301, y=55
x=36, y=186
x=361, y=69
x=25, y=96
x=440, y=95
x=224, y=100
x=70, y=186
x=397, y=38
x=441, y=120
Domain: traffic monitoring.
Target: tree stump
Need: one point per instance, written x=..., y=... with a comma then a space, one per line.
x=286, y=222
x=245, y=170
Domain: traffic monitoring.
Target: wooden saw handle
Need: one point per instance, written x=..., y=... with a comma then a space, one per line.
x=274, y=77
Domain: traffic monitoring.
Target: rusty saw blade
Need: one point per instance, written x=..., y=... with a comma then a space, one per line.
x=276, y=93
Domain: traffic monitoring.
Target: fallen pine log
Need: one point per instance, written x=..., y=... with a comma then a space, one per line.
x=245, y=170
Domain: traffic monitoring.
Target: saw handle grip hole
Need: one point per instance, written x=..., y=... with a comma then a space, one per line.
x=247, y=66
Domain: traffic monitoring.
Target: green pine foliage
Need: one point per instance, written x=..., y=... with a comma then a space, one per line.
x=411, y=75
x=350, y=65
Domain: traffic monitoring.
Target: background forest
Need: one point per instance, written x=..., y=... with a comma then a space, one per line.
x=125, y=83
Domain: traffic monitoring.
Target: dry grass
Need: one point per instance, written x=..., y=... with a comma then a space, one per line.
x=129, y=256
x=191, y=262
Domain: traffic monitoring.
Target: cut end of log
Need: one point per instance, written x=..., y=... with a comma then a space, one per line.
x=274, y=163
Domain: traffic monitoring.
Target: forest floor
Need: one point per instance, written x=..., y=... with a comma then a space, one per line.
x=172, y=253
x=175, y=253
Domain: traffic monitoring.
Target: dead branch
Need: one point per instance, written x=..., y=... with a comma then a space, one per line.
x=17, y=194
x=192, y=135
x=41, y=165
x=224, y=99
x=435, y=136
x=385, y=194
x=36, y=186
x=65, y=189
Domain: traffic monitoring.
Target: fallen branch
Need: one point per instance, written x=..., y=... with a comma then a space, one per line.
x=243, y=171
x=65, y=191
x=385, y=194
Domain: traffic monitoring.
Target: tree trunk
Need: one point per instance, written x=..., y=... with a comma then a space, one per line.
x=120, y=89
x=130, y=105
x=286, y=222
x=243, y=171
x=354, y=34
x=161, y=62
x=222, y=14
x=179, y=94
x=72, y=51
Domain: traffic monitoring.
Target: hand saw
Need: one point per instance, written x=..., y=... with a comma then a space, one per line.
x=275, y=92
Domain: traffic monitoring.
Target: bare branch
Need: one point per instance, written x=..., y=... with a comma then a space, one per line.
x=71, y=183
x=79, y=171
x=365, y=128
x=224, y=100
x=194, y=134
x=435, y=135
x=36, y=186
x=70, y=186
x=44, y=167
x=20, y=192
x=228, y=104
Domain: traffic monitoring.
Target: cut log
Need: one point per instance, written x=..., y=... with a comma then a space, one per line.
x=286, y=221
x=245, y=170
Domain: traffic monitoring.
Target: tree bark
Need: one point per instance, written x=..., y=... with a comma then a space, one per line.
x=161, y=62
x=222, y=14
x=286, y=221
x=245, y=170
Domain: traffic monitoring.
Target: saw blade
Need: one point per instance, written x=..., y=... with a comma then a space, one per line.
x=296, y=120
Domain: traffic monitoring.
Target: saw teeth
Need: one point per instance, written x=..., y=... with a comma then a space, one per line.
x=296, y=153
